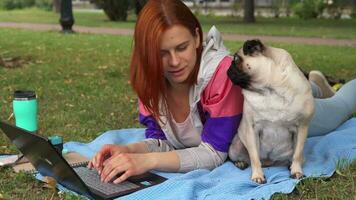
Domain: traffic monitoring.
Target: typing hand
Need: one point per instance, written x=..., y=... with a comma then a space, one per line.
x=119, y=167
x=106, y=152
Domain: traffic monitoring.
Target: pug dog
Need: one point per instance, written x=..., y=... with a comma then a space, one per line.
x=277, y=109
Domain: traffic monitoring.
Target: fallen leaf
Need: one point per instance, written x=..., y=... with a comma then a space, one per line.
x=49, y=182
x=339, y=172
x=69, y=81
x=10, y=117
x=12, y=62
x=69, y=125
x=69, y=105
x=103, y=67
x=1, y=196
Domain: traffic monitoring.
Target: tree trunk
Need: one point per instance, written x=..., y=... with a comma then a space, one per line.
x=56, y=6
x=249, y=11
x=139, y=4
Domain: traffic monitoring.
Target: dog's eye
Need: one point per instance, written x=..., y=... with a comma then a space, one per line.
x=237, y=59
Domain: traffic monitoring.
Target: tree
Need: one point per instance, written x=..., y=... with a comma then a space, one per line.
x=249, y=11
x=353, y=10
x=309, y=9
x=116, y=10
x=139, y=5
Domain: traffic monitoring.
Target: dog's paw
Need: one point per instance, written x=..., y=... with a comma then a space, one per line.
x=297, y=175
x=258, y=177
x=259, y=180
x=296, y=170
x=241, y=165
x=252, y=47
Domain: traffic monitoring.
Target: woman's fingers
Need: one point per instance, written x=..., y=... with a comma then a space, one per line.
x=119, y=167
x=115, y=172
x=98, y=159
x=90, y=165
x=123, y=177
x=105, y=153
x=109, y=165
x=95, y=162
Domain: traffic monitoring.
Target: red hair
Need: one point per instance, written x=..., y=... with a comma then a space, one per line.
x=146, y=70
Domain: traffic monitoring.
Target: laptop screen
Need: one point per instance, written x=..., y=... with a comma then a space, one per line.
x=39, y=151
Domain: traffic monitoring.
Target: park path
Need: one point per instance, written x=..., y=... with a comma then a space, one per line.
x=226, y=36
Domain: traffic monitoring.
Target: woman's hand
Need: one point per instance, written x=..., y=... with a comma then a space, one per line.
x=124, y=165
x=106, y=152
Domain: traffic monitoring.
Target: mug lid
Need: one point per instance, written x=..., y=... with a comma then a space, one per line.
x=55, y=139
x=24, y=94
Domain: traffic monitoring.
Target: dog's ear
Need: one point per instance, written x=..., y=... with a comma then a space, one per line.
x=252, y=47
x=236, y=75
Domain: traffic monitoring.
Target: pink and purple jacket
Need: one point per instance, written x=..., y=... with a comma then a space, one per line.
x=216, y=108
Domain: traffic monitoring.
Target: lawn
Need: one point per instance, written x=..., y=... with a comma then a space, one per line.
x=82, y=85
x=264, y=26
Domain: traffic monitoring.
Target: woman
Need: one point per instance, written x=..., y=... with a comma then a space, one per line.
x=189, y=106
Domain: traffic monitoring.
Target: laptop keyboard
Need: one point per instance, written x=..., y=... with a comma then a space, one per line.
x=92, y=179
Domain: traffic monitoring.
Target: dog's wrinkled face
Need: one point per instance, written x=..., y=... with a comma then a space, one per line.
x=249, y=66
x=253, y=47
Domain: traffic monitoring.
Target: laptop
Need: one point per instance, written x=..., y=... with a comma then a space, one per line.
x=48, y=162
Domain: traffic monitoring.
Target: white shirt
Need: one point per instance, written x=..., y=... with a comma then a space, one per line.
x=186, y=133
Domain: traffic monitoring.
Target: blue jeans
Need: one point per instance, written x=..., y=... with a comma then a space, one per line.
x=332, y=112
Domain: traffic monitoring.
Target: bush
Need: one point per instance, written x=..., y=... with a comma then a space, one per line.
x=353, y=12
x=19, y=4
x=308, y=9
x=336, y=8
x=116, y=10
x=44, y=4
x=276, y=7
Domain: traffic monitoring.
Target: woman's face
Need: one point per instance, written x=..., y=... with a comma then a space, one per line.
x=178, y=53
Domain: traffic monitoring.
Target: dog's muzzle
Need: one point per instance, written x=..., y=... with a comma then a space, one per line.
x=237, y=75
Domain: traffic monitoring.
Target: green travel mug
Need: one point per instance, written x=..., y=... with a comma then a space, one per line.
x=25, y=110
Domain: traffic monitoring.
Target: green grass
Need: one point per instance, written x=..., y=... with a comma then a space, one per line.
x=284, y=27
x=83, y=90
x=92, y=19
x=341, y=185
x=264, y=26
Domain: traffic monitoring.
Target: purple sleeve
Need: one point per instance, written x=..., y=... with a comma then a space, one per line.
x=153, y=130
x=219, y=131
x=222, y=104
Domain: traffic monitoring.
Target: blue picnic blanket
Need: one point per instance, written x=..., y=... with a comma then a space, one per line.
x=322, y=155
